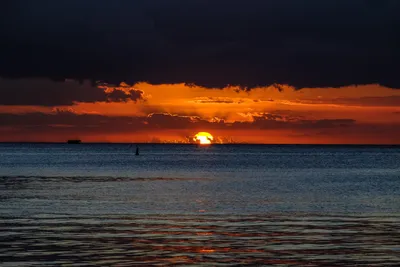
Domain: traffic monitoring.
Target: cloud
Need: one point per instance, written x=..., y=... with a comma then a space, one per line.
x=45, y=92
x=243, y=43
x=327, y=123
x=218, y=100
x=122, y=96
x=63, y=124
x=67, y=122
x=269, y=121
x=171, y=121
x=263, y=100
x=376, y=101
x=161, y=121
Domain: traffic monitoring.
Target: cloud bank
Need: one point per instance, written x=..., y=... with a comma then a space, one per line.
x=44, y=92
x=64, y=124
x=312, y=43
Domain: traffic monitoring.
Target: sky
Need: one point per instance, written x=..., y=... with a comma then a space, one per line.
x=247, y=71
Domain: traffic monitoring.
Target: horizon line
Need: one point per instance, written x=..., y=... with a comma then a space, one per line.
x=172, y=143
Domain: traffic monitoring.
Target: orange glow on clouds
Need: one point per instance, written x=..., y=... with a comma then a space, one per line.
x=173, y=112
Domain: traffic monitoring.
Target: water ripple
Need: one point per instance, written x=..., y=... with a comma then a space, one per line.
x=171, y=240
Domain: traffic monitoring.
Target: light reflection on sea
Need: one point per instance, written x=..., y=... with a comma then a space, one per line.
x=273, y=240
x=100, y=205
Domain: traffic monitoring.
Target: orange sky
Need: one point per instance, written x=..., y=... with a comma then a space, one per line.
x=174, y=113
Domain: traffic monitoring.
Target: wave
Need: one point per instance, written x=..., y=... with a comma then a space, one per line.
x=100, y=178
x=170, y=240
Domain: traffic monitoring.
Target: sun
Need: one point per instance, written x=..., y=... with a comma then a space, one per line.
x=203, y=138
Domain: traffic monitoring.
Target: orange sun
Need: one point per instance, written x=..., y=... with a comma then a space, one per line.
x=203, y=138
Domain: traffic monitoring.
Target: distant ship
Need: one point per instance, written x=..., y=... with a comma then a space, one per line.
x=75, y=141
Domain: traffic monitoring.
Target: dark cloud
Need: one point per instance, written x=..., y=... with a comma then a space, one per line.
x=65, y=124
x=122, y=96
x=270, y=121
x=310, y=43
x=44, y=92
x=327, y=123
x=159, y=121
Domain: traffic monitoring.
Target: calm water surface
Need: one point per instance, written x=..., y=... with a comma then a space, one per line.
x=223, y=205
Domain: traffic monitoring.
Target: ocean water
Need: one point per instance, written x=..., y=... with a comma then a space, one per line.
x=219, y=205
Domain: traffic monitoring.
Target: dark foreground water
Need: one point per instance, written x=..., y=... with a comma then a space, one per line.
x=100, y=205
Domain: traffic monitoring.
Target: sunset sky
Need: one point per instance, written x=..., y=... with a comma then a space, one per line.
x=283, y=71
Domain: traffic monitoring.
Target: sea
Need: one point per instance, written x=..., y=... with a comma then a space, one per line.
x=191, y=205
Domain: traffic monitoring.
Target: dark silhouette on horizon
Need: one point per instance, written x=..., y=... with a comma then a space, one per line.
x=74, y=141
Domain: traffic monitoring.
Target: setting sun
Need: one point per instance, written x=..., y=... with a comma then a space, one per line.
x=203, y=138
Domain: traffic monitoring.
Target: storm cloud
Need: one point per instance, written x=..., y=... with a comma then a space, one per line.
x=244, y=43
x=45, y=92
